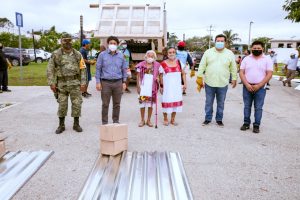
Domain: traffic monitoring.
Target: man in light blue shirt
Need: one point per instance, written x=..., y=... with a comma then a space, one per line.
x=291, y=66
x=111, y=78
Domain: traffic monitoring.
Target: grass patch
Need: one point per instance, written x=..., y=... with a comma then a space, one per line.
x=31, y=75
x=35, y=74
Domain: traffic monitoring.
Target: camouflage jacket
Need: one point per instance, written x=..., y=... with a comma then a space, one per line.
x=63, y=68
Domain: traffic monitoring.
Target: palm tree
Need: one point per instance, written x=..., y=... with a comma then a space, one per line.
x=231, y=37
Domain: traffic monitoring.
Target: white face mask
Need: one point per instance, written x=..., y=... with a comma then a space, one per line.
x=149, y=60
x=124, y=46
x=112, y=47
x=172, y=57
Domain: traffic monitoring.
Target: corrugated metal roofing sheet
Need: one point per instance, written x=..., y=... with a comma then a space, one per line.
x=138, y=176
x=16, y=168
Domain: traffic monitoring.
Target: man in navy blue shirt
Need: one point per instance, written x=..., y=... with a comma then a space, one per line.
x=84, y=52
x=111, y=76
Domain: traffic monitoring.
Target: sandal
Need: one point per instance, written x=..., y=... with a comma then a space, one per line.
x=149, y=124
x=142, y=123
x=174, y=123
x=166, y=123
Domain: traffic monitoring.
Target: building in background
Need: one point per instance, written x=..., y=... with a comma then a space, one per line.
x=285, y=43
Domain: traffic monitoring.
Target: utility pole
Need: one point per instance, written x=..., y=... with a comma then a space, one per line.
x=165, y=26
x=33, y=46
x=81, y=29
x=249, y=41
x=210, y=30
x=183, y=37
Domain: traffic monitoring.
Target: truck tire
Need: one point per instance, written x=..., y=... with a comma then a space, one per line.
x=15, y=62
x=39, y=60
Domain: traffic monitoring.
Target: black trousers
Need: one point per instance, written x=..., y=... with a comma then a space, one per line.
x=3, y=80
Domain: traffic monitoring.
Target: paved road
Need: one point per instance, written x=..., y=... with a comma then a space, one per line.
x=221, y=163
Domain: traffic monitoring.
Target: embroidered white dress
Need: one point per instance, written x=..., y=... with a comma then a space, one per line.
x=172, y=89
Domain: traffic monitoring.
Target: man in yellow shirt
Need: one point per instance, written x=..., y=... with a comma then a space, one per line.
x=214, y=71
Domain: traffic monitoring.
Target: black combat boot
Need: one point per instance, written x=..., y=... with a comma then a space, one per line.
x=76, y=125
x=61, y=127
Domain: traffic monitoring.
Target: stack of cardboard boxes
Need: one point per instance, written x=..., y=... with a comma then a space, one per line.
x=113, y=139
x=2, y=147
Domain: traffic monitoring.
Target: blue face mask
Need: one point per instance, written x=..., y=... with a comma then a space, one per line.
x=219, y=45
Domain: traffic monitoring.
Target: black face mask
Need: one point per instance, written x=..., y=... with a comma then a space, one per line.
x=256, y=52
x=67, y=46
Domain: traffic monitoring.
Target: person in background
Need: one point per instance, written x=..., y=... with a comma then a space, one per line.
x=238, y=61
x=171, y=75
x=246, y=53
x=3, y=72
x=165, y=53
x=256, y=70
x=147, y=85
x=218, y=63
x=84, y=50
x=127, y=55
x=274, y=60
x=101, y=49
x=291, y=67
x=184, y=57
x=111, y=76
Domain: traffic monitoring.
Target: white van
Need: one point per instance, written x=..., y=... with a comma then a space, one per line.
x=41, y=55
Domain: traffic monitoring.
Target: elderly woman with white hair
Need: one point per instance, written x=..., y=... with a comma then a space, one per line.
x=147, y=85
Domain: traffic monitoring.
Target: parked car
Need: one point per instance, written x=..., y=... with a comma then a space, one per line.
x=197, y=56
x=41, y=55
x=13, y=55
x=48, y=55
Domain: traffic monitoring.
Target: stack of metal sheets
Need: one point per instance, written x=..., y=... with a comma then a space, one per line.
x=138, y=176
x=16, y=168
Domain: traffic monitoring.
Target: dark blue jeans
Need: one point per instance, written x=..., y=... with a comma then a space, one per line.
x=211, y=93
x=258, y=98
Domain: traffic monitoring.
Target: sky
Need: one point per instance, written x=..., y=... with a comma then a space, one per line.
x=189, y=17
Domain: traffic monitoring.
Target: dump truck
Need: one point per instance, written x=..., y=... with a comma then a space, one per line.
x=142, y=26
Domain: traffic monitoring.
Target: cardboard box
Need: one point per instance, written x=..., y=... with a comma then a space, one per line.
x=2, y=148
x=113, y=147
x=113, y=132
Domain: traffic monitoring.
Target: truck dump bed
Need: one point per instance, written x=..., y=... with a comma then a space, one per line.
x=130, y=21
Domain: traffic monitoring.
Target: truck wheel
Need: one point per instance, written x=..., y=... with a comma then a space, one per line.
x=39, y=60
x=15, y=62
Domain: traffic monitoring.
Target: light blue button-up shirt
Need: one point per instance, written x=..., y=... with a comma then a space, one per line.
x=111, y=66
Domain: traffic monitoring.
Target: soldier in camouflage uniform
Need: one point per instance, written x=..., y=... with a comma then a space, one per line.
x=67, y=77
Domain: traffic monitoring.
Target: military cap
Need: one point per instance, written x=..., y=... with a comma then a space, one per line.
x=66, y=35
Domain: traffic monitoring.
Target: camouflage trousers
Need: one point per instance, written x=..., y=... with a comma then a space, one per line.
x=75, y=95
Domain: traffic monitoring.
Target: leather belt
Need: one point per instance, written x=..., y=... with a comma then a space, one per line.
x=111, y=80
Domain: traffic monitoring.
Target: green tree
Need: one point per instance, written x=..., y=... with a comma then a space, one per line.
x=6, y=23
x=265, y=40
x=95, y=43
x=50, y=39
x=293, y=9
x=173, y=40
x=76, y=44
x=12, y=40
x=197, y=43
x=231, y=37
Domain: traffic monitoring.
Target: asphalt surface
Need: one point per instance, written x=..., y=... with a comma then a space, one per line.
x=221, y=163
